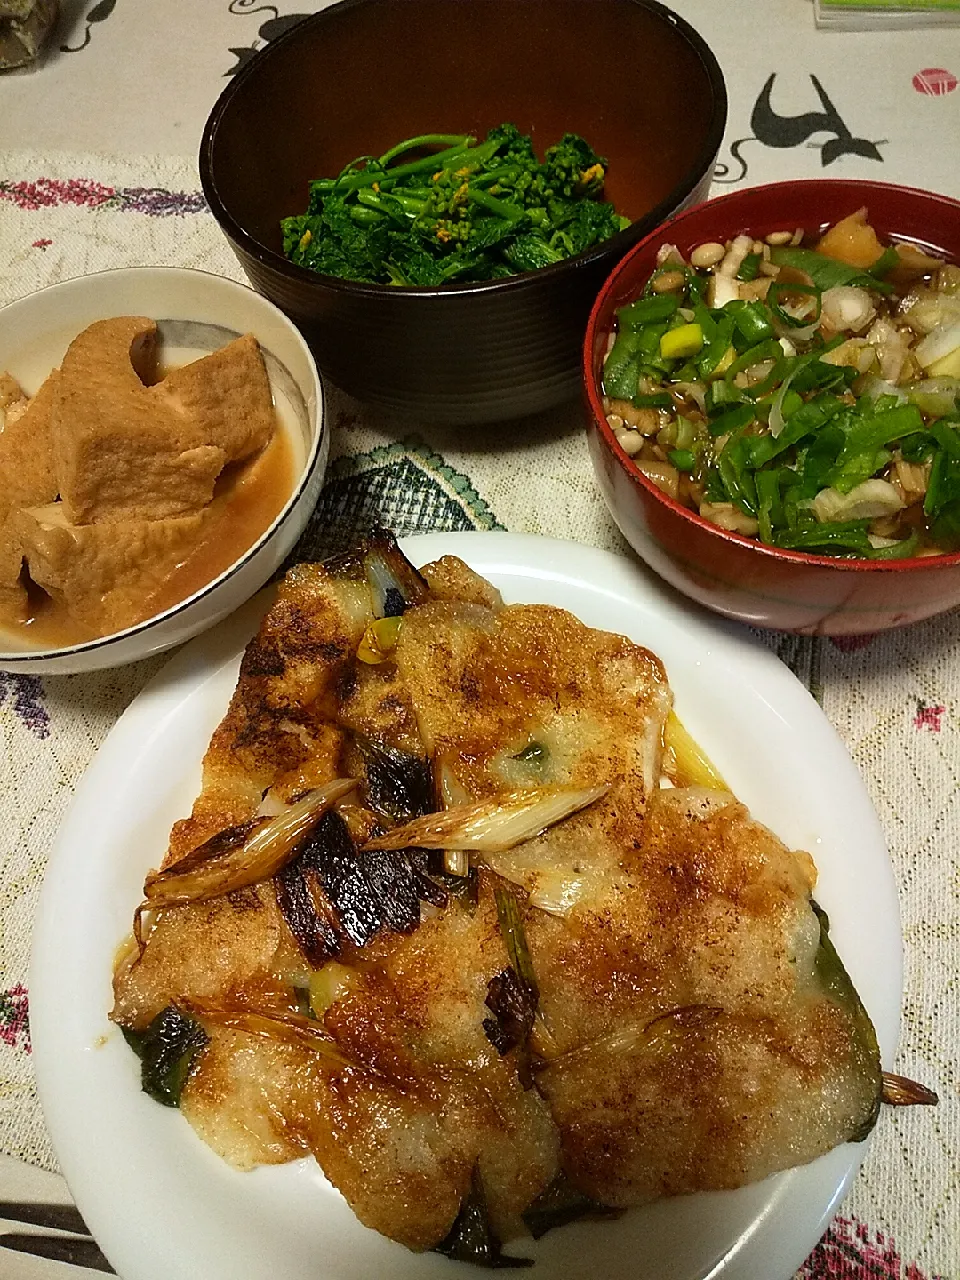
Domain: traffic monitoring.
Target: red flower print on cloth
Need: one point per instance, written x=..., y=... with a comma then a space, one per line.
x=928, y=716
x=14, y=1018
x=47, y=192
x=852, y=1251
x=42, y=244
x=155, y=202
x=935, y=81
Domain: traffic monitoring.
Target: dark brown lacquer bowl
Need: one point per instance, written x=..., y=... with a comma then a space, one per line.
x=738, y=576
x=630, y=76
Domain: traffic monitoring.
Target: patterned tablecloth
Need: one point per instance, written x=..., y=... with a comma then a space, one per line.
x=93, y=174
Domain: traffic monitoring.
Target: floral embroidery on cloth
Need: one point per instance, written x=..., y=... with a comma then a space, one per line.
x=25, y=693
x=851, y=1251
x=928, y=716
x=14, y=1018
x=155, y=202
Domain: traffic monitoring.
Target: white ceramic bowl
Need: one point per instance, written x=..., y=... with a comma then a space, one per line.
x=196, y=313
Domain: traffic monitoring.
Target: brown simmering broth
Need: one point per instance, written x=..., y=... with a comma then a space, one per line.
x=250, y=495
x=247, y=499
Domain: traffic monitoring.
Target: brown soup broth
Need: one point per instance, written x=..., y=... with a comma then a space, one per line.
x=247, y=499
x=646, y=434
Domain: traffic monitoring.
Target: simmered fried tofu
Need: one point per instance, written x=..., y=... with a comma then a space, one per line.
x=123, y=454
x=29, y=479
x=104, y=574
x=227, y=397
x=111, y=477
x=129, y=451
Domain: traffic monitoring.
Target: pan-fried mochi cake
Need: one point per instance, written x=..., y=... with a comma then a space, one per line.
x=460, y=911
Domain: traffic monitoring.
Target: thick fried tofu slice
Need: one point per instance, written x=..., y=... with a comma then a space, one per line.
x=121, y=453
x=29, y=478
x=227, y=396
x=104, y=574
x=130, y=451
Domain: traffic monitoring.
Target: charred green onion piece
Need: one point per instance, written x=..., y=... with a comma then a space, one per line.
x=329, y=896
x=464, y=889
x=898, y=1091
x=166, y=1049
x=471, y=1237
x=513, y=995
x=490, y=826
x=395, y=584
x=836, y=983
x=561, y=1203
x=512, y=1003
x=399, y=784
x=515, y=937
x=274, y=1024
x=260, y=850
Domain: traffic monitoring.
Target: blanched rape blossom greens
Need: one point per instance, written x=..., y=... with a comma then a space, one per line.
x=466, y=211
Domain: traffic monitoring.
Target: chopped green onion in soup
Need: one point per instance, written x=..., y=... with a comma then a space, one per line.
x=803, y=394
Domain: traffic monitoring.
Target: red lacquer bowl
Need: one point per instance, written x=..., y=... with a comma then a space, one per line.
x=735, y=575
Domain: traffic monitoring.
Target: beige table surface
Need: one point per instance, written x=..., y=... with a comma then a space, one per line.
x=97, y=149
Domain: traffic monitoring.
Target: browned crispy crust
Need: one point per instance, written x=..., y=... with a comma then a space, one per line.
x=276, y=721
x=684, y=1040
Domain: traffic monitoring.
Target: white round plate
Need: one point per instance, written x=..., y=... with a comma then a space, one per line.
x=162, y=1205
